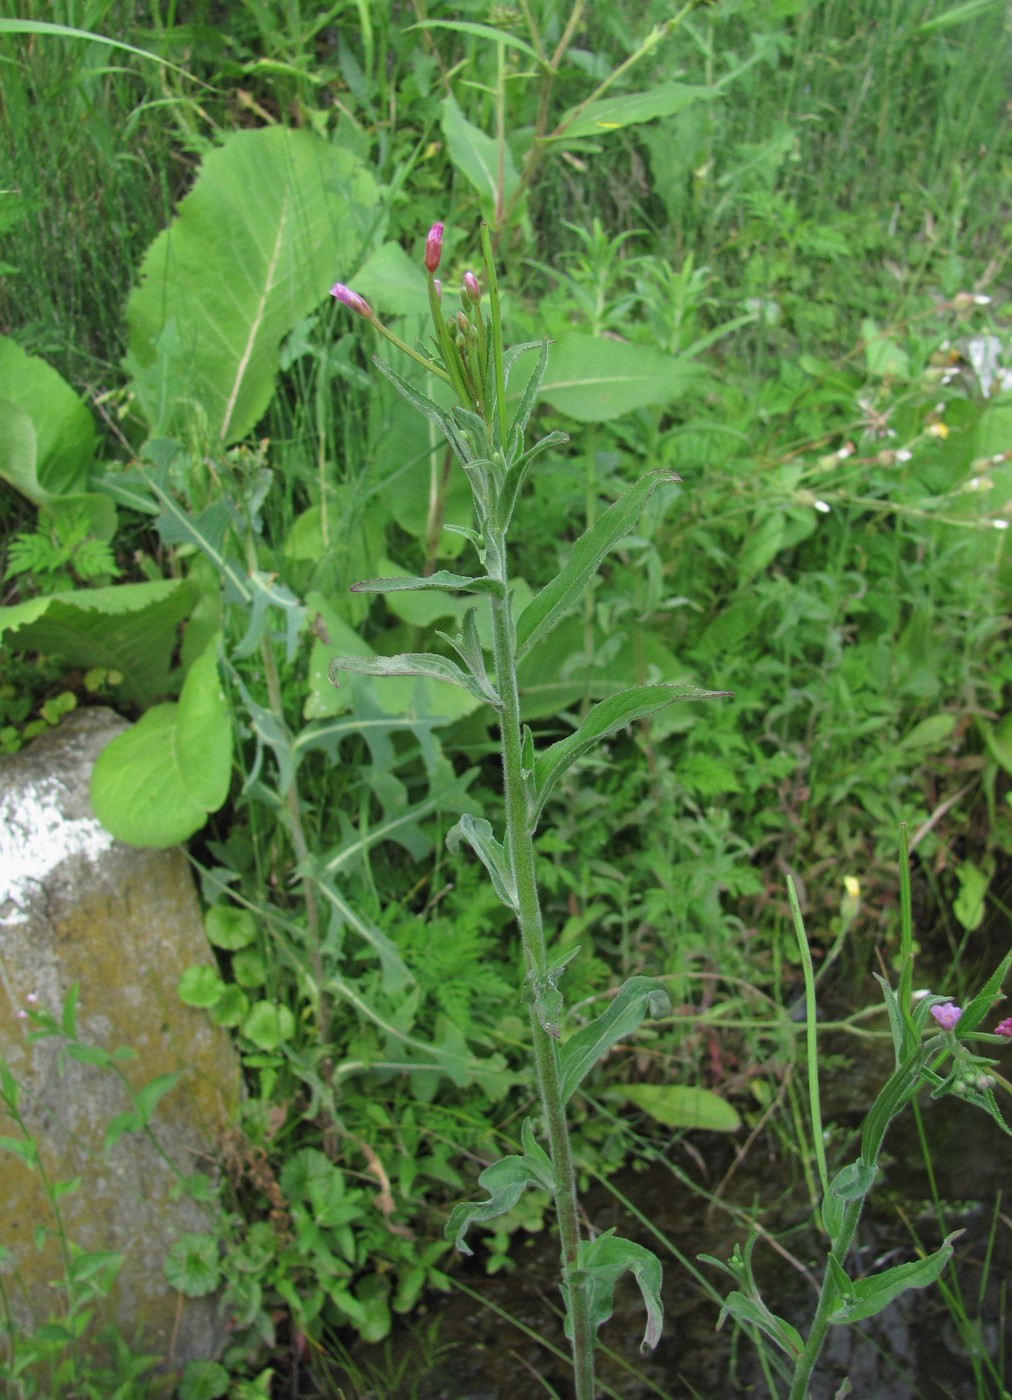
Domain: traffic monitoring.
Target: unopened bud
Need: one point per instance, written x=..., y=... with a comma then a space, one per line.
x=434, y=247
x=351, y=299
x=471, y=287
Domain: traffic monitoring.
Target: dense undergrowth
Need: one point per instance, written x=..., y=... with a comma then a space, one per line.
x=769, y=245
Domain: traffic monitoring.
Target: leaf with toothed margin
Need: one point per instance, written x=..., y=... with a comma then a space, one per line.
x=864, y=1297
x=517, y=474
x=441, y=579
x=411, y=663
x=547, y=607
x=467, y=645
x=600, y=1264
x=526, y=406
x=505, y=1181
x=546, y=995
x=477, y=832
x=610, y=715
x=755, y=1313
x=638, y=997
x=440, y=416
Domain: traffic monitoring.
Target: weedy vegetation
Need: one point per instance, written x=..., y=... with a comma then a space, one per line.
x=669, y=361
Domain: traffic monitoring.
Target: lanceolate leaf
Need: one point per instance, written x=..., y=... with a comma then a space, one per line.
x=442, y=579
x=607, y=717
x=601, y=1263
x=505, y=1181
x=411, y=663
x=637, y=998
x=868, y=1296
x=480, y=31
x=249, y=253
x=547, y=607
x=611, y=113
x=750, y=1310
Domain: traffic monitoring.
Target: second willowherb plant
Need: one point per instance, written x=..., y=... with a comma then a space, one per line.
x=487, y=431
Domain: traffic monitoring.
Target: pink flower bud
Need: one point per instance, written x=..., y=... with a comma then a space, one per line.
x=471, y=287
x=434, y=247
x=1004, y=1027
x=351, y=299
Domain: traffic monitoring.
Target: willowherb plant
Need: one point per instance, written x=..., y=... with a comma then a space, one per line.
x=488, y=438
x=928, y=1051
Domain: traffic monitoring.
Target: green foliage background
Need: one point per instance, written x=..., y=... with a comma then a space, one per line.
x=764, y=239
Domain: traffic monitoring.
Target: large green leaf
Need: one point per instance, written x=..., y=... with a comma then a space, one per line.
x=47, y=435
x=155, y=784
x=595, y=380
x=610, y=113
x=477, y=156
x=131, y=628
x=273, y=218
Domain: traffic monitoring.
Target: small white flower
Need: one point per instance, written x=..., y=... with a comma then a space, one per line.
x=822, y=506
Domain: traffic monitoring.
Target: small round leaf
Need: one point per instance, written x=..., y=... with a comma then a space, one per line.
x=268, y=1025
x=191, y=1265
x=201, y=986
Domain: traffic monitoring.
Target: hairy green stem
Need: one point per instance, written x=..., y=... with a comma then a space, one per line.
x=827, y=1299
x=520, y=846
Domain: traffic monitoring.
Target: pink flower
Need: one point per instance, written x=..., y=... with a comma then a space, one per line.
x=1004, y=1027
x=351, y=299
x=471, y=287
x=947, y=1015
x=434, y=247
